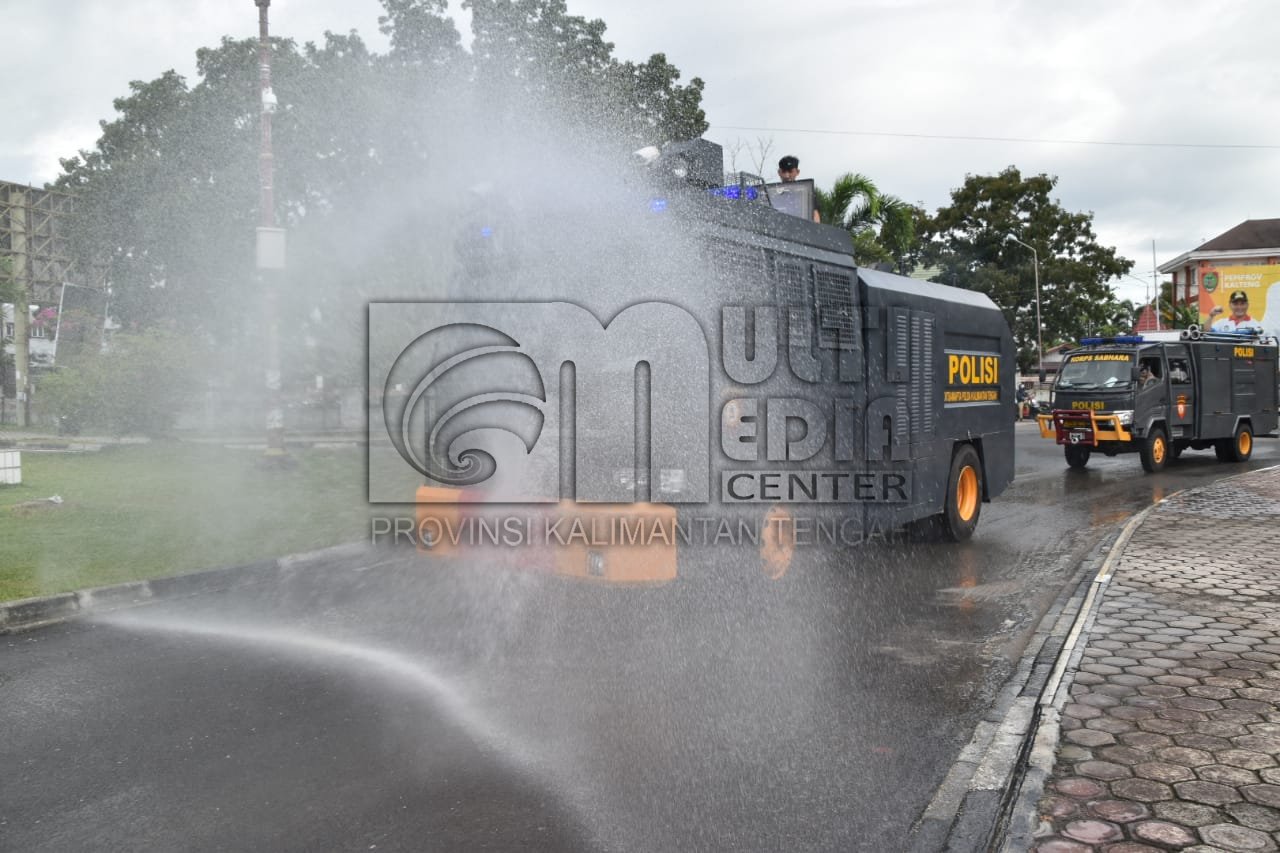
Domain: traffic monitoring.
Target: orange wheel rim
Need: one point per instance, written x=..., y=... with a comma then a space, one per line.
x=967, y=493
x=1246, y=443
x=1157, y=450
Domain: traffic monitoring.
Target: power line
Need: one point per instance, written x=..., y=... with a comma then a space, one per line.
x=956, y=137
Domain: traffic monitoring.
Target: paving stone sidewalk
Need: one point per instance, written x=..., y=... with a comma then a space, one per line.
x=1171, y=740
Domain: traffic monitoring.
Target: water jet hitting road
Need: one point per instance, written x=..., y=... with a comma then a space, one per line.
x=719, y=711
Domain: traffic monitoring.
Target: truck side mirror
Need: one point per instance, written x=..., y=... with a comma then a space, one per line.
x=1134, y=373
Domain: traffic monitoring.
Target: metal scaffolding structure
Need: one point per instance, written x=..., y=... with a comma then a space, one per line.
x=34, y=237
x=34, y=225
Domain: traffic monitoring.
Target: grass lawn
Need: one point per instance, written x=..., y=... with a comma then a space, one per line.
x=140, y=511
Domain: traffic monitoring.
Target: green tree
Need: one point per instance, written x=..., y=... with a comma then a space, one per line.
x=1177, y=315
x=169, y=195
x=532, y=57
x=1119, y=321
x=971, y=240
x=852, y=203
x=883, y=226
x=365, y=145
x=138, y=386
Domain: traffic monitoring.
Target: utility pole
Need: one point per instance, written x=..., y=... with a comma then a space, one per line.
x=270, y=249
x=1155, y=282
x=1035, y=259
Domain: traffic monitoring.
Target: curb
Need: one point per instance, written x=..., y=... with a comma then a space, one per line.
x=1013, y=827
x=25, y=614
x=966, y=808
x=998, y=769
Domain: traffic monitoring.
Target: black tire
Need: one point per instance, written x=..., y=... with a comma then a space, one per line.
x=1222, y=449
x=1241, y=446
x=1155, y=450
x=1077, y=455
x=963, y=502
x=1175, y=450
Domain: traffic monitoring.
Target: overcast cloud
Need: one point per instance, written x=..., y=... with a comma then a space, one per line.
x=1105, y=71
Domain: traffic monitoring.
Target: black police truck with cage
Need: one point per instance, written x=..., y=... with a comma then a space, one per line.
x=1160, y=394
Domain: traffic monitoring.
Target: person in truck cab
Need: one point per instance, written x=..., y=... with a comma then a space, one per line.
x=1145, y=377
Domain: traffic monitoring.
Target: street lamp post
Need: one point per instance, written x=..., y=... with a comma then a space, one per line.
x=270, y=247
x=1039, y=332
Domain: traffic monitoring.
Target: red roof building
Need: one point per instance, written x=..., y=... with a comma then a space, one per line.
x=1146, y=321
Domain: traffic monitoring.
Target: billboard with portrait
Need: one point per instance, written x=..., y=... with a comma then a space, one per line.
x=1222, y=307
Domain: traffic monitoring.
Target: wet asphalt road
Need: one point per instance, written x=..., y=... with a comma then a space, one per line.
x=414, y=707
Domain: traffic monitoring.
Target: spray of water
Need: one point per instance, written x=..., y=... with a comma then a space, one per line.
x=549, y=773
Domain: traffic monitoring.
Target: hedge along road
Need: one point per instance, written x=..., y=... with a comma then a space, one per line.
x=421, y=706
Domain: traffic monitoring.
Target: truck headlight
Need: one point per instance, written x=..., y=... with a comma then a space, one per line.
x=1125, y=418
x=671, y=481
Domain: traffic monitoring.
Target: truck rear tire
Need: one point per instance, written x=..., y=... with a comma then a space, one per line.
x=1155, y=450
x=1077, y=455
x=1240, y=447
x=964, y=495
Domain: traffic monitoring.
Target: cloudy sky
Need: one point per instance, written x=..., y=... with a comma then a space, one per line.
x=1159, y=116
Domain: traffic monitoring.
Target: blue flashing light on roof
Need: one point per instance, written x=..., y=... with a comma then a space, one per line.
x=734, y=191
x=658, y=205
x=486, y=232
x=1118, y=339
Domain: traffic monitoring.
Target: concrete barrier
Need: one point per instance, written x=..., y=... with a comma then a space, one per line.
x=10, y=467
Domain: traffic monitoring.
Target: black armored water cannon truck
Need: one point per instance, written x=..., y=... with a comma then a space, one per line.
x=807, y=390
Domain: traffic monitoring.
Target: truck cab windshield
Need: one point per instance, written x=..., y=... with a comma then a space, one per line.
x=1090, y=373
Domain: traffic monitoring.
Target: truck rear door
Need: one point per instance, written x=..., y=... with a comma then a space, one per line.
x=1213, y=386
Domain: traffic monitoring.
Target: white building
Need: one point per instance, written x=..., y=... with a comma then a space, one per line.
x=1244, y=259
x=41, y=336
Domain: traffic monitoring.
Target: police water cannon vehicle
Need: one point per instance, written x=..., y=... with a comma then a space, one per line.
x=1161, y=393
x=832, y=397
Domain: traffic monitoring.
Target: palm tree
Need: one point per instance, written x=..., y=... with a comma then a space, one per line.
x=897, y=238
x=882, y=226
x=853, y=202
x=1179, y=316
